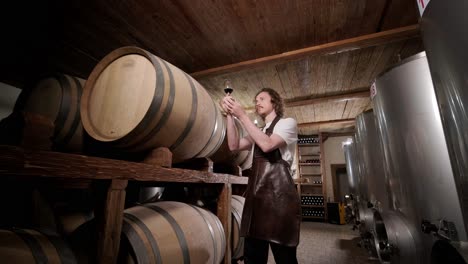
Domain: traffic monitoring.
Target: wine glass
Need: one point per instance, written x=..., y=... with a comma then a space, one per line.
x=228, y=87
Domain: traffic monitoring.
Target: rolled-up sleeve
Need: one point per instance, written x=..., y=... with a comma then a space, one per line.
x=287, y=130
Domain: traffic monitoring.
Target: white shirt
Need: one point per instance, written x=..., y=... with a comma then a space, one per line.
x=287, y=129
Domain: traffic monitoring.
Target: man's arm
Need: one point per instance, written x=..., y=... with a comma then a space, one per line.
x=266, y=143
x=234, y=142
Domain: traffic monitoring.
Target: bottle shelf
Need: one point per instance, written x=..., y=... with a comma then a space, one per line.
x=310, y=174
x=313, y=206
x=309, y=140
x=310, y=160
x=309, y=164
x=315, y=211
x=308, y=144
x=311, y=185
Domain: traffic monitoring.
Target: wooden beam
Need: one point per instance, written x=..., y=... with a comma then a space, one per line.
x=22, y=162
x=328, y=98
x=375, y=39
x=300, y=101
x=339, y=134
x=327, y=122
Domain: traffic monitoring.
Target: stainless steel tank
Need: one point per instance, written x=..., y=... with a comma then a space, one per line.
x=372, y=163
x=444, y=32
x=372, y=169
x=364, y=214
x=351, y=165
x=361, y=177
x=422, y=190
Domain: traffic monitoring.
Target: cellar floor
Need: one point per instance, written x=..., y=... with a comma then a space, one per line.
x=324, y=243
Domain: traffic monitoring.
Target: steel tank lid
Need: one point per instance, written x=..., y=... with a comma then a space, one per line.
x=363, y=113
x=416, y=56
x=410, y=58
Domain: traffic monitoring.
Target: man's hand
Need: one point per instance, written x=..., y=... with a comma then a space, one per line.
x=232, y=106
x=223, y=105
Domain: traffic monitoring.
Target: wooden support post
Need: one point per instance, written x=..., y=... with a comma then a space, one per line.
x=237, y=171
x=224, y=215
x=109, y=216
x=322, y=139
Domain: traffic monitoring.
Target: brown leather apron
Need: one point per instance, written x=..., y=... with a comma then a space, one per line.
x=272, y=209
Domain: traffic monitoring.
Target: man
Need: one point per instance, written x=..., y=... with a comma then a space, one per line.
x=272, y=212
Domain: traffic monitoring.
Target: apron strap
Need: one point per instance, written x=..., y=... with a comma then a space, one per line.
x=275, y=155
x=269, y=130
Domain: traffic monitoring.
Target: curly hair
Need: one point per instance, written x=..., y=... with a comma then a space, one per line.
x=276, y=100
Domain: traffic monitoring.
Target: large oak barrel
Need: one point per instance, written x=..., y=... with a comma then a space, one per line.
x=138, y=101
x=237, y=242
x=224, y=156
x=173, y=232
x=58, y=98
x=31, y=246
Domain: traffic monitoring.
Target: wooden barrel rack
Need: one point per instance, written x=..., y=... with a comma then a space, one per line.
x=110, y=177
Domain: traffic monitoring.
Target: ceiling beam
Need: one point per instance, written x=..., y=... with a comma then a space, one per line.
x=339, y=134
x=349, y=95
x=376, y=39
x=327, y=122
x=300, y=101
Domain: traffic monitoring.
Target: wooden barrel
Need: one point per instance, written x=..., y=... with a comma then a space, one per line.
x=69, y=221
x=138, y=102
x=224, y=156
x=58, y=98
x=31, y=246
x=173, y=232
x=237, y=242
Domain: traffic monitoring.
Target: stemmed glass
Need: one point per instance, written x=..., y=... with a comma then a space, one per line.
x=228, y=87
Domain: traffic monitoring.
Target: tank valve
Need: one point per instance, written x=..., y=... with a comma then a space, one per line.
x=427, y=227
x=444, y=230
x=386, y=248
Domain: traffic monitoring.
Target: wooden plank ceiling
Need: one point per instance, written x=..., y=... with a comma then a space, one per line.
x=319, y=54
